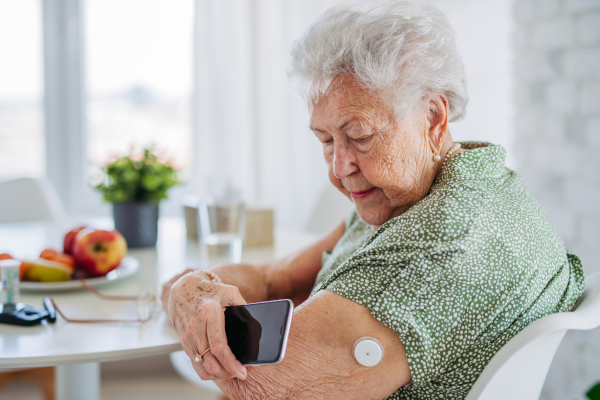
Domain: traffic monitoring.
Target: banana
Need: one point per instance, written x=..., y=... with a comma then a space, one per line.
x=42, y=270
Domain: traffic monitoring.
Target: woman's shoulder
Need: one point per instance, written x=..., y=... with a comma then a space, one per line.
x=482, y=161
x=443, y=218
x=477, y=203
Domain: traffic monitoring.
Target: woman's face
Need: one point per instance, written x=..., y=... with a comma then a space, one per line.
x=382, y=164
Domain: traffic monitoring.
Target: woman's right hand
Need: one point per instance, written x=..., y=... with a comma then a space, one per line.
x=166, y=289
x=196, y=308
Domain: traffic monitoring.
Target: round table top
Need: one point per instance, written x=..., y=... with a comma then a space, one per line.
x=67, y=343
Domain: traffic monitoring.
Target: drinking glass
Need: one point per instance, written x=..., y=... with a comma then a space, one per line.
x=222, y=223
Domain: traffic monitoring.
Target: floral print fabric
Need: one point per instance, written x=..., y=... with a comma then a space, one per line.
x=458, y=274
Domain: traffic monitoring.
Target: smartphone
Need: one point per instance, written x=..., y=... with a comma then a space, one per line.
x=257, y=333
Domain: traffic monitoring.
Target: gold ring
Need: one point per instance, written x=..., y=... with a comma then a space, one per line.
x=198, y=358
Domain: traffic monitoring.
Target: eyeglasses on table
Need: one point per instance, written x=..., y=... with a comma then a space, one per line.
x=146, y=307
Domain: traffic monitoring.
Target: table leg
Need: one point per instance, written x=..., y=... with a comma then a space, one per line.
x=78, y=381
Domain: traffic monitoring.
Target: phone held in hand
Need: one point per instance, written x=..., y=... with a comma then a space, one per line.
x=257, y=333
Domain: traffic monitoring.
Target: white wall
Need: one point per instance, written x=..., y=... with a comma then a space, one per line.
x=557, y=71
x=483, y=34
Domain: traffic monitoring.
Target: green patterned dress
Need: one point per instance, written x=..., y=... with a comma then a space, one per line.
x=458, y=274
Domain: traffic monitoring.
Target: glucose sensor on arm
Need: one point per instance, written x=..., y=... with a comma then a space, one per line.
x=368, y=351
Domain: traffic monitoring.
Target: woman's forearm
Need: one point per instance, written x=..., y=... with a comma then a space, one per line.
x=291, y=277
x=250, y=279
x=272, y=281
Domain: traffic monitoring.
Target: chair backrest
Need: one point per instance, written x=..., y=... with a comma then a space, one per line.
x=519, y=369
x=28, y=199
x=331, y=208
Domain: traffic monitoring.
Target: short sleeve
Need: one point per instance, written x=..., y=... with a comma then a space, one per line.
x=355, y=234
x=393, y=292
x=400, y=274
x=351, y=220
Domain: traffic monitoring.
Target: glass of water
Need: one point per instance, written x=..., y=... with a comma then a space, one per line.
x=222, y=223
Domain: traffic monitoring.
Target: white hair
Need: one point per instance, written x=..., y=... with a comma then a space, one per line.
x=399, y=48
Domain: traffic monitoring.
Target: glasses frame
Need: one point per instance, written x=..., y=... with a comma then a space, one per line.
x=90, y=289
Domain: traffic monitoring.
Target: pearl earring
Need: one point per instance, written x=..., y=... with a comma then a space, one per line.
x=436, y=157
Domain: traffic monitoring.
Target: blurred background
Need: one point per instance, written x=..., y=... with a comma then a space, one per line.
x=205, y=81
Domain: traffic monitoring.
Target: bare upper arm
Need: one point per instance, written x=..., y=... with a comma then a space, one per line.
x=319, y=362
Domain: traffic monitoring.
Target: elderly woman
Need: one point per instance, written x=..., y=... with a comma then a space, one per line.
x=445, y=259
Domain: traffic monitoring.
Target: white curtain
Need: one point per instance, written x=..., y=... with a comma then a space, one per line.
x=251, y=127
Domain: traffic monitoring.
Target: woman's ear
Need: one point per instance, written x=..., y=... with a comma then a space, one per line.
x=437, y=117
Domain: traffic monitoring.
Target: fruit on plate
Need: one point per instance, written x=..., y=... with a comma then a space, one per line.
x=42, y=270
x=63, y=259
x=6, y=256
x=97, y=252
x=70, y=239
x=53, y=255
x=47, y=253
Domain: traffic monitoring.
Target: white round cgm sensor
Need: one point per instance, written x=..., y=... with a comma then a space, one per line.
x=368, y=351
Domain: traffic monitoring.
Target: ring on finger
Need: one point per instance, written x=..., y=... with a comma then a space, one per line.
x=198, y=358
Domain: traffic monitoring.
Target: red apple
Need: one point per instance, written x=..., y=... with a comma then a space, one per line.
x=69, y=238
x=97, y=252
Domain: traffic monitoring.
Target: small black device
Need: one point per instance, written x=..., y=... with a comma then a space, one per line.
x=24, y=315
x=257, y=333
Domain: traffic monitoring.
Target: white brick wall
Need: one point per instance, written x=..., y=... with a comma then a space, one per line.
x=587, y=29
x=557, y=73
x=576, y=6
x=589, y=97
x=584, y=63
x=552, y=34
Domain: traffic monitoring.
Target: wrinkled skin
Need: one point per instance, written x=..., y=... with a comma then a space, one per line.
x=367, y=148
x=196, y=307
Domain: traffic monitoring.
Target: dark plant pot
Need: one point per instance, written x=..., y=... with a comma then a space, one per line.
x=137, y=222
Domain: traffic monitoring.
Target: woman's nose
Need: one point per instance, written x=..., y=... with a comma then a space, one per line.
x=343, y=161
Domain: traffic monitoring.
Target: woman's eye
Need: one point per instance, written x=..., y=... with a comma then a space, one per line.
x=327, y=142
x=363, y=140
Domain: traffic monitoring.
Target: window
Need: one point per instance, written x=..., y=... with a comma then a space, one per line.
x=139, y=59
x=22, y=145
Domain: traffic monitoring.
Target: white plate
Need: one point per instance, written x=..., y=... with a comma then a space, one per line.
x=128, y=266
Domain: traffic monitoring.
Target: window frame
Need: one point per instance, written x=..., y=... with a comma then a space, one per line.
x=65, y=108
x=65, y=105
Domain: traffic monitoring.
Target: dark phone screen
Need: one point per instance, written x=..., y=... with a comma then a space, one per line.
x=255, y=332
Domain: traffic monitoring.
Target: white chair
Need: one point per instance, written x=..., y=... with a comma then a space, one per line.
x=519, y=369
x=28, y=199
x=331, y=208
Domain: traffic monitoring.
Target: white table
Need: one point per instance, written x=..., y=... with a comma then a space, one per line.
x=78, y=348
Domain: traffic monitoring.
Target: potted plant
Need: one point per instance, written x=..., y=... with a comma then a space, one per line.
x=135, y=184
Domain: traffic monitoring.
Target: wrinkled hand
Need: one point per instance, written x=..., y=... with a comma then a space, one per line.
x=166, y=289
x=196, y=308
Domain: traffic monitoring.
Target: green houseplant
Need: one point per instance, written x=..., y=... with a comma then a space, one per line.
x=135, y=184
x=594, y=392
